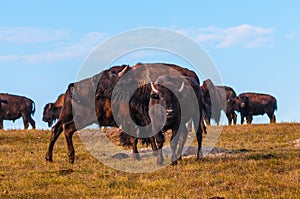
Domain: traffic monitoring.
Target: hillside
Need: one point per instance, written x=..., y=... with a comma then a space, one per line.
x=252, y=161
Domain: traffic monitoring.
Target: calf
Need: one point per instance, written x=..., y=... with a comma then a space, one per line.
x=52, y=110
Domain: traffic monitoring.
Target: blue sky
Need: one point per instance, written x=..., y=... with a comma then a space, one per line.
x=254, y=44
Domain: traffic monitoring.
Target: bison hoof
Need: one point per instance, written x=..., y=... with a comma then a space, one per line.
x=160, y=163
x=49, y=159
x=136, y=157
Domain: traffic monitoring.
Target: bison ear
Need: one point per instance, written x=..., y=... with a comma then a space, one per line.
x=154, y=96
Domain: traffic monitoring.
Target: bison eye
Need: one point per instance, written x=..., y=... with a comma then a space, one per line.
x=155, y=96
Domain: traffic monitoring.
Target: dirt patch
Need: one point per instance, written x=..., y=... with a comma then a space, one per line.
x=189, y=151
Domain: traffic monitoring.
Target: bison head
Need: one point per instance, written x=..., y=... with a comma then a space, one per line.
x=164, y=107
x=48, y=115
x=237, y=103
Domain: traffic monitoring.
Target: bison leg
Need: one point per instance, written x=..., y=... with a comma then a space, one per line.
x=32, y=123
x=199, y=131
x=182, y=138
x=173, y=143
x=242, y=119
x=136, y=155
x=229, y=118
x=160, y=142
x=249, y=119
x=206, y=118
x=234, y=116
x=153, y=145
x=1, y=123
x=272, y=117
x=69, y=130
x=55, y=132
x=25, y=122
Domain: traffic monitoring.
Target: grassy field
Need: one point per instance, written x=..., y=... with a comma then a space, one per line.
x=264, y=162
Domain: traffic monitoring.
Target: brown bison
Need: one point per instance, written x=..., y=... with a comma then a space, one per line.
x=78, y=110
x=90, y=101
x=14, y=107
x=250, y=104
x=52, y=110
x=215, y=99
x=132, y=95
x=174, y=100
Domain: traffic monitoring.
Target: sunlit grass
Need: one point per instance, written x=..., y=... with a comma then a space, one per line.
x=264, y=163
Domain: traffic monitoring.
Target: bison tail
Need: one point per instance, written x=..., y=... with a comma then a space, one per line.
x=275, y=107
x=33, y=109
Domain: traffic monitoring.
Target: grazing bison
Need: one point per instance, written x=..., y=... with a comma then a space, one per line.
x=132, y=95
x=14, y=107
x=230, y=93
x=249, y=104
x=215, y=99
x=78, y=110
x=52, y=110
x=87, y=102
x=174, y=100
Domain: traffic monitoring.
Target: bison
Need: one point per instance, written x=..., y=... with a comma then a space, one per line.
x=78, y=110
x=132, y=95
x=174, y=100
x=250, y=104
x=91, y=101
x=215, y=100
x=52, y=110
x=14, y=107
x=230, y=93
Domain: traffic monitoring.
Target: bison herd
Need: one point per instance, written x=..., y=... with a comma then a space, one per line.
x=143, y=101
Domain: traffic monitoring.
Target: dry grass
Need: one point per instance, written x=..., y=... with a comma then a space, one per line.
x=265, y=163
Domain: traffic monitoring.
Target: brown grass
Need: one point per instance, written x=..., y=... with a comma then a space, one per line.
x=265, y=163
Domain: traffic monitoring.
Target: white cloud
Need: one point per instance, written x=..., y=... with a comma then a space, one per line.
x=65, y=46
x=50, y=45
x=29, y=35
x=244, y=35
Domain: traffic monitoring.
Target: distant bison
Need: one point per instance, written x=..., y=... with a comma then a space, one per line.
x=14, y=107
x=52, y=110
x=215, y=99
x=249, y=104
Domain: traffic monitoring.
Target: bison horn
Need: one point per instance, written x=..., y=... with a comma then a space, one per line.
x=151, y=83
x=123, y=71
x=153, y=88
x=181, y=88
